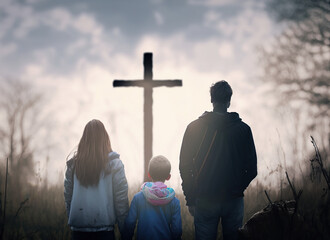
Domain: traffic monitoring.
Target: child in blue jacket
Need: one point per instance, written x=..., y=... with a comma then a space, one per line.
x=155, y=207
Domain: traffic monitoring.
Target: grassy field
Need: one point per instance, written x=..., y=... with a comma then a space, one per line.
x=38, y=212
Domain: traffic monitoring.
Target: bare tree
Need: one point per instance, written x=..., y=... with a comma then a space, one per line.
x=297, y=64
x=296, y=10
x=33, y=211
x=19, y=114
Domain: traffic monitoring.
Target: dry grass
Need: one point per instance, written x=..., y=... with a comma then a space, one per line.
x=43, y=215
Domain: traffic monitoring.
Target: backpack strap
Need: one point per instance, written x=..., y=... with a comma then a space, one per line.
x=203, y=151
x=207, y=154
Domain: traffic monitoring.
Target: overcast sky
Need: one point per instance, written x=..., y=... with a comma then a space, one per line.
x=72, y=50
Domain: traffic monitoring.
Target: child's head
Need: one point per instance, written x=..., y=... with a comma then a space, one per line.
x=159, y=169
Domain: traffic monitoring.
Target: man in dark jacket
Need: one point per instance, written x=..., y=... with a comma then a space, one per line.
x=217, y=162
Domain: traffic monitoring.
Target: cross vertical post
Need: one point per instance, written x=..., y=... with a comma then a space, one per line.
x=148, y=101
x=148, y=84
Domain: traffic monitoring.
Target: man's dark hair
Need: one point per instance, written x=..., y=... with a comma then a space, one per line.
x=221, y=92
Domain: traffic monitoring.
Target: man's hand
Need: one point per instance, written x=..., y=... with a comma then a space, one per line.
x=191, y=210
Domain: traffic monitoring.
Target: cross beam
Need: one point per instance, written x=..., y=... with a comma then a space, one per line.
x=143, y=83
x=148, y=84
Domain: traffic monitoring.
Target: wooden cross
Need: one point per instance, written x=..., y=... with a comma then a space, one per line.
x=148, y=84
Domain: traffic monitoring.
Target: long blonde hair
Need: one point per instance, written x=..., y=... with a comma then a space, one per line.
x=92, y=153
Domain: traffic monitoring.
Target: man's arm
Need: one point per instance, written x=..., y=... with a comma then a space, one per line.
x=186, y=166
x=250, y=163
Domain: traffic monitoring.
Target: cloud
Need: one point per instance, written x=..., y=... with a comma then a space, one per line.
x=13, y=13
x=7, y=49
x=81, y=34
x=116, y=31
x=63, y=20
x=85, y=23
x=205, y=55
x=210, y=17
x=199, y=53
x=6, y=25
x=156, y=1
x=34, y=1
x=77, y=45
x=226, y=50
x=25, y=27
x=159, y=18
x=250, y=23
x=33, y=70
x=94, y=40
x=58, y=18
x=212, y=3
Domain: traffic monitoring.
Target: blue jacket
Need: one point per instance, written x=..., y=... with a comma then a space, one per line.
x=154, y=222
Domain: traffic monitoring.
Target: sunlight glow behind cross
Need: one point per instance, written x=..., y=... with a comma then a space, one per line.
x=148, y=84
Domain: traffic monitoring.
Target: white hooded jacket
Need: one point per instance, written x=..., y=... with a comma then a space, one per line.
x=97, y=208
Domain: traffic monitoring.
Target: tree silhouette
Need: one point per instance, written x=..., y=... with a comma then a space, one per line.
x=297, y=64
x=19, y=112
